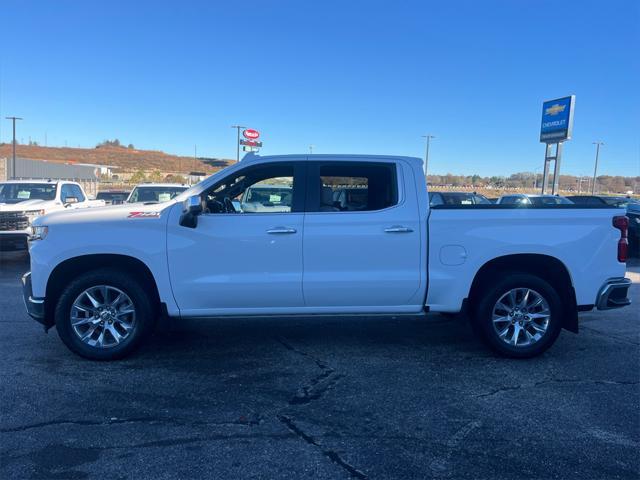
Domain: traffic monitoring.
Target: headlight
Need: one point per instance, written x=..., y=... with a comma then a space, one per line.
x=39, y=233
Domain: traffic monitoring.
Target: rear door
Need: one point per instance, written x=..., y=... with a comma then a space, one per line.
x=362, y=255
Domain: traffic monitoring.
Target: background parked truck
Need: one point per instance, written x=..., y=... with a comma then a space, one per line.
x=22, y=201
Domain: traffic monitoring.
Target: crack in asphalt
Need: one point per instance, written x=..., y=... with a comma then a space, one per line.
x=121, y=421
x=440, y=466
x=209, y=438
x=314, y=390
x=309, y=393
x=318, y=385
x=555, y=380
x=498, y=390
x=586, y=382
x=319, y=362
x=330, y=454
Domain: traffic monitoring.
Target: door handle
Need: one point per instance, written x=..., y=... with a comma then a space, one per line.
x=398, y=229
x=281, y=230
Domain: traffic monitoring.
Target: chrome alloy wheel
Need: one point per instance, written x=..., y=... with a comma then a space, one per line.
x=103, y=316
x=521, y=317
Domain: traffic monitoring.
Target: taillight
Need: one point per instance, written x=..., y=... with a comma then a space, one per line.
x=622, y=224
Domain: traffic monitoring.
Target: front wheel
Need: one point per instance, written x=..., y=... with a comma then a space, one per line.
x=519, y=316
x=104, y=314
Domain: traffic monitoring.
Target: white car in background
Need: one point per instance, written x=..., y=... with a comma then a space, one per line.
x=22, y=201
x=155, y=192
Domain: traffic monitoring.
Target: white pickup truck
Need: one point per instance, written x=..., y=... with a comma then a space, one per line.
x=103, y=276
x=21, y=201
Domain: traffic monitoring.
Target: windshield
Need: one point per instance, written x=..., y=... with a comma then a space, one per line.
x=19, y=192
x=155, y=193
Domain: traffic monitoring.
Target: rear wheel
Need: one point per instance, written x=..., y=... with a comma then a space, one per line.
x=519, y=316
x=104, y=315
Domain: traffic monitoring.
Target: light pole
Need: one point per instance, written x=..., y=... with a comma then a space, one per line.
x=311, y=149
x=535, y=177
x=238, y=127
x=13, y=161
x=426, y=155
x=595, y=169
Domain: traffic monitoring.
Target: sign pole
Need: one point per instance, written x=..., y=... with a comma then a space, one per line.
x=545, y=173
x=556, y=170
x=556, y=128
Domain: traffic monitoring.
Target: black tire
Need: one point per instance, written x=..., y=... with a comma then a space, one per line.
x=145, y=313
x=487, y=299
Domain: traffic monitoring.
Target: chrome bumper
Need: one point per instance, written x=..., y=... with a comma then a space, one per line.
x=34, y=306
x=613, y=294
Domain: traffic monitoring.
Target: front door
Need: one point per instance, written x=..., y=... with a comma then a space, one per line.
x=245, y=254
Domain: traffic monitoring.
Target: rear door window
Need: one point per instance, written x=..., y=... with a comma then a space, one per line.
x=351, y=186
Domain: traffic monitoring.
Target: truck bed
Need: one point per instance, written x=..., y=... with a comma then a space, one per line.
x=463, y=238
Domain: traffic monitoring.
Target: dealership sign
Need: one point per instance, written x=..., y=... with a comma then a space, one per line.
x=251, y=143
x=251, y=134
x=557, y=120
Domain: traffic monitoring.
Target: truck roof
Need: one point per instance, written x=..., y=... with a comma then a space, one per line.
x=39, y=180
x=252, y=157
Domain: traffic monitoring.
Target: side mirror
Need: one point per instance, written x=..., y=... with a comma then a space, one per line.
x=193, y=205
x=70, y=201
x=191, y=208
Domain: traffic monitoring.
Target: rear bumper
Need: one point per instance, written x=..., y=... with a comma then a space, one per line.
x=13, y=241
x=34, y=306
x=614, y=294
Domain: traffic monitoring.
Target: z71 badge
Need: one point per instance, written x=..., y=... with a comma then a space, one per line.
x=143, y=215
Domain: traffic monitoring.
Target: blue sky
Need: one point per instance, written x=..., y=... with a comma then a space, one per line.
x=346, y=76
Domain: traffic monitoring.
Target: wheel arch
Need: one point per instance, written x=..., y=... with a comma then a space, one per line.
x=74, y=266
x=547, y=267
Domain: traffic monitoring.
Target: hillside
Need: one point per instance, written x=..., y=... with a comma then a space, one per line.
x=124, y=159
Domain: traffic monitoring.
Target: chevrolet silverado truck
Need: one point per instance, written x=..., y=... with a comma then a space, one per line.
x=522, y=273
x=22, y=201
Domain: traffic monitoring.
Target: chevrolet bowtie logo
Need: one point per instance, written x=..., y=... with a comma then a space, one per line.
x=554, y=109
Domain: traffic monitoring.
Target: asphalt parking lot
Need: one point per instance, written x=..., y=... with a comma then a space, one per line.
x=319, y=398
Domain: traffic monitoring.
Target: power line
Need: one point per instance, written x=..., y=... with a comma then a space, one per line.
x=428, y=136
x=595, y=169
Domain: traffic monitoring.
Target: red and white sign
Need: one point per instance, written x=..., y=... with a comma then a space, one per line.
x=251, y=134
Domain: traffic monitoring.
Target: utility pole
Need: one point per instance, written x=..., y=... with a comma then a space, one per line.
x=595, y=169
x=238, y=127
x=13, y=161
x=426, y=155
